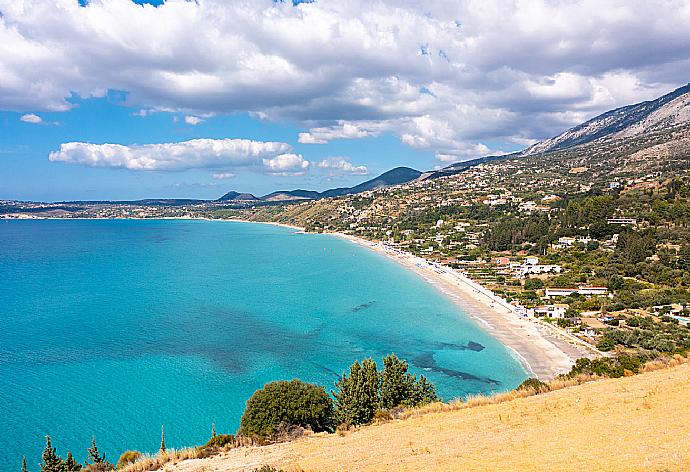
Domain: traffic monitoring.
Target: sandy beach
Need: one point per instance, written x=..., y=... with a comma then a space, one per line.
x=544, y=350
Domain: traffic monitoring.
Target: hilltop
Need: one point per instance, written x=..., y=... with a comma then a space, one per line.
x=631, y=423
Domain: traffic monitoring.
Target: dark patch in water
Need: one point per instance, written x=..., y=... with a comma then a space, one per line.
x=363, y=306
x=470, y=346
x=427, y=361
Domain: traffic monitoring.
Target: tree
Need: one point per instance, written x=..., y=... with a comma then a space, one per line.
x=398, y=387
x=357, y=396
x=96, y=461
x=395, y=382
x=286, y=403
x=94, y=455
x=71, y=465
x=162, y=439
x=51, y=461
x=24, y=468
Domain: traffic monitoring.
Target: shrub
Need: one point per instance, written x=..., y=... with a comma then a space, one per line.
x=535, y=384
x=382, y=416
x=128, y=457
x=286, y=402
x=219, y=441
x=267, y=468
x=533, y=284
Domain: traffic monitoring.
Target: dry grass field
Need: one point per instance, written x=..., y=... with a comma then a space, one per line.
x=628, y=424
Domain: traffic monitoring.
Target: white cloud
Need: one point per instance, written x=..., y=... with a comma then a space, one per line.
x=286, y=164
x=337, y=165
x=444, y=76
x=192, y=120
x=343, y=130
x=224, y=175
x=31, y=118
x=197, y=153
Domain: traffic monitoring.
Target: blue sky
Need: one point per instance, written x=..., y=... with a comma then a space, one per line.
x=27, y=174
x=117, y=99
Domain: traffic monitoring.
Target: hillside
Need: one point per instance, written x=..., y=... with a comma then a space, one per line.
x=628, y=424
x=664, y=112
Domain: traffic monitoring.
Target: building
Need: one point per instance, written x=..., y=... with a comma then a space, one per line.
x=551, y=311
x=621, y=221
x=581, y=290
x=531, y=260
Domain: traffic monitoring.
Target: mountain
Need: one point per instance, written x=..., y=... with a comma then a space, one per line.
x=396, y=176
x=237, y=197
x=667, y=111
x=285, y=195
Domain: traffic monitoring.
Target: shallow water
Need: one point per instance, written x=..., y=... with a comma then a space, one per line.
x=115, y=327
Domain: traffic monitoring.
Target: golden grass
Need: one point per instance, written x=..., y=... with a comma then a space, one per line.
x=629, y=424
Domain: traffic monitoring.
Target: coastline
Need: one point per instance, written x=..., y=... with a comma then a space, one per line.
x=543, y=350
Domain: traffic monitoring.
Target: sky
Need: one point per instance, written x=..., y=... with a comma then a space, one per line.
x=123, y=99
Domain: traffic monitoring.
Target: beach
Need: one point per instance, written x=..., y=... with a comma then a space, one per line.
x=544, y=350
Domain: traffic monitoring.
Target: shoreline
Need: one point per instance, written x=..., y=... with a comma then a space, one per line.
x=542, y=349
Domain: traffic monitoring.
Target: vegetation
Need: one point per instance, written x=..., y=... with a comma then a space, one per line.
x=364, y=391
x=127, y=458
x=293, y=402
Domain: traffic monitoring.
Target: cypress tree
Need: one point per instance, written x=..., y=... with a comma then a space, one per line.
x=71, y=465
x=24, y=469
x=162, y=438
x=51, y=461
x=213, y=430
x=94, y=455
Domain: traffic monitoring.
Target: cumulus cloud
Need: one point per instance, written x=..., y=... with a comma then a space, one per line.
x=31, y=118
x=337, y=165
x=196, y=153
x=286, y=164
x=444, y=76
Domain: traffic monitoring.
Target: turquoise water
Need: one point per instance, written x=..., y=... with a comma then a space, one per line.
x=115, y=327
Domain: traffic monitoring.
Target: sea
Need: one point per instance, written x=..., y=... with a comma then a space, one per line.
x=118, y=328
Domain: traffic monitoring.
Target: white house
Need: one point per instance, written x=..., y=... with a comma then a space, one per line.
x=551, y=311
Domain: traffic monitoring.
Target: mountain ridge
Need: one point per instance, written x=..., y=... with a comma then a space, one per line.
x=395, y=176
x=666, y=111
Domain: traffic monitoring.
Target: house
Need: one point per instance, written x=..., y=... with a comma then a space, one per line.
x=584, y=290
x=531, y=260
x=560, y=292
x=551, y=311
x=541, y=269
x=502, y=261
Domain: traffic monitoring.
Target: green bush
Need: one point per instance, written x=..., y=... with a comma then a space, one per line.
x=286, y=402
x=533, y=284
x=535, y=384
x=128, y=457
